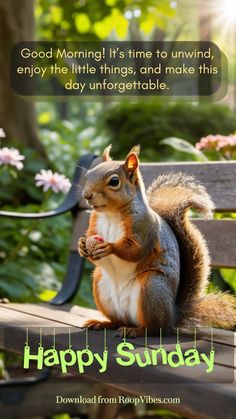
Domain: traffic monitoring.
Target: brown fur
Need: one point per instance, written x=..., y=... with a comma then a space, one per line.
x=171, y=196
x=142, y=320
x=128, y=248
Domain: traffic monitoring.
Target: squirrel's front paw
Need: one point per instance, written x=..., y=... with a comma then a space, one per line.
x=102, y=250
x=82, y=247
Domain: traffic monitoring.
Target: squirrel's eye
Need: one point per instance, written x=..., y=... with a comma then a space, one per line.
x=114, y=181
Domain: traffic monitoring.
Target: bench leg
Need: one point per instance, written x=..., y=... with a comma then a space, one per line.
x=72, y=280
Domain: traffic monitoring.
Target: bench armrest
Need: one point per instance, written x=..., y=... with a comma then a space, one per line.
x=68, y=204
x=71, y=200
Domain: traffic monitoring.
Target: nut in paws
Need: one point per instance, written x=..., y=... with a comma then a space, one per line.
x=92, y=242
x=102, y=250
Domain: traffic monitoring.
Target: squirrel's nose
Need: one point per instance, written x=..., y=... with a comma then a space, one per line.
x=87, y=195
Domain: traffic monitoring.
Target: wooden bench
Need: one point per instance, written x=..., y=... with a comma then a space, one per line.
x=198, y=399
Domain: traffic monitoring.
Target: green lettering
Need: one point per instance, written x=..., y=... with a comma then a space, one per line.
x=28, y=357
x=67, y=363
x=156, y=352
x=122, y=350
x=84, y=363
x=192, y=357
x=102, y=361
x=147, y=359
x=52, y=358
x=178, y=354
x=210, y=361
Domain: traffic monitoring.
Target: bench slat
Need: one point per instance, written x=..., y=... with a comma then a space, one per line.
x=221, y=238
x=76, y=316
x=218, y=178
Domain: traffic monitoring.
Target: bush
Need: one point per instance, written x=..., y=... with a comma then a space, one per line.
x=146, y=123
x=39, y=264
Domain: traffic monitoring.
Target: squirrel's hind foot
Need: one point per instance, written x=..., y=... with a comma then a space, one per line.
x=131, y=332
x=98, y=325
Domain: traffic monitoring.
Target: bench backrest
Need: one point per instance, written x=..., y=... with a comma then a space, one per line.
x=219, y=178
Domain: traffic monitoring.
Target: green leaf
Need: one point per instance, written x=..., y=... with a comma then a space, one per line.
x=44, y=118
x=61, y=416
x=229, y=276
x=56, y=14
x=184, y=146
x=82, y=22
x=102, y=28
x=147, y=25
x=119, y=23
x=12, y=289
x=13, y=173
x=47, y=295
x=111, y=3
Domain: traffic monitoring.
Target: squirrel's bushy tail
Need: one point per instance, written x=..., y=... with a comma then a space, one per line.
x=171, y=196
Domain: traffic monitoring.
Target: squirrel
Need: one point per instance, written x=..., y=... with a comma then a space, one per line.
x=152, y=267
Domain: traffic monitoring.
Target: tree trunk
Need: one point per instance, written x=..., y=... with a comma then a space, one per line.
x=17, y=116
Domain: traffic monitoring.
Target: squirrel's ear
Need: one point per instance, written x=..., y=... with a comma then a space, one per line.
x=131, y=164
x=106, y=153
x=135, y=149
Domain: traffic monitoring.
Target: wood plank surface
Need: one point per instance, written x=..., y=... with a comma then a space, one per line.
x=221, y=239
x=197, y=400
x=75, y=316
x=114, y=374
x=218, y=178
x=65, y=315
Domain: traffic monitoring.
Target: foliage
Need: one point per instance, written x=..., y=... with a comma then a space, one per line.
x=147, y=123
x=68, y=139
x=95, y=20
x=30, y=261
x=229, y=276
x=38, y=264
x=184, y=147
x=22, y=189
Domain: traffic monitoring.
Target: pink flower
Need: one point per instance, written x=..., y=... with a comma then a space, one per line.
x=2, y=133
x=208, y=143
x=54, y=181
x=217, y=142
x=11, y=157
x=227, y=143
